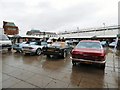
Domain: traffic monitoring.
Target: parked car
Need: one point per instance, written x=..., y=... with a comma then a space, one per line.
x=89, y=52
x=112, y=44
x=5, y=43
x=104, y=43
x=18, y=46
x=34, y=47
x=56, y=49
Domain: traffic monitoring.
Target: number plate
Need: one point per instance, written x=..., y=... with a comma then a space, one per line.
x=87, y=62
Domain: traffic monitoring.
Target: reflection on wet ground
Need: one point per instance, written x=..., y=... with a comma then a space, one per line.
x=30, y=71
x=118, y=53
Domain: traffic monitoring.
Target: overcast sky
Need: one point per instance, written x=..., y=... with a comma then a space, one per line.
x=58, y=15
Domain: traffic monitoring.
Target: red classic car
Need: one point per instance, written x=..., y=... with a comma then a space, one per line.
x=90, y=52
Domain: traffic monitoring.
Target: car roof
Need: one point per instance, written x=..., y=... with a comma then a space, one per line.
x=89, y=41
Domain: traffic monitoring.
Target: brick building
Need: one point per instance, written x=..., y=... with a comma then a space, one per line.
x=41, y=34
x=10, y=28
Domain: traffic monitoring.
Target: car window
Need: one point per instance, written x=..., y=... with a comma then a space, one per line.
x=103, y=42
x=93, y=45
x=43, y=43
x=33, y=43
x=56, y=44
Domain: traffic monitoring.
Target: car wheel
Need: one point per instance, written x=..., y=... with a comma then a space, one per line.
x=9, y=49
x=74, y=63
x=38, y=51
x=48, y=56
x=102, y=66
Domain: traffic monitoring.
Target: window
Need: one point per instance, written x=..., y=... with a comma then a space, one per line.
x=11, y=28
x=93, y=45
x=43, y=43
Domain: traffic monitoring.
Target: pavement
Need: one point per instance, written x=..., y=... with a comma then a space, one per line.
x=31, y=71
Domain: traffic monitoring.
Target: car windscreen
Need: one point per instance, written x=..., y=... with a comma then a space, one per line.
x=3, y=37
x=92, y=45
x=56, y=44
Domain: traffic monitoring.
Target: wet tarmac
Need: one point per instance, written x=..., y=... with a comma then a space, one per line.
x=31, y=71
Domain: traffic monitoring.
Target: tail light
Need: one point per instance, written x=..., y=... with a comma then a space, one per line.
x=76, y=52
x=100, y=58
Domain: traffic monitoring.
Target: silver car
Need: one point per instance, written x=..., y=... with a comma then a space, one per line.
x=34, y=47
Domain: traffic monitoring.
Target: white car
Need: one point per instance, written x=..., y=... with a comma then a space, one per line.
x=34, y=47
x=5, y=43
x=112, y=44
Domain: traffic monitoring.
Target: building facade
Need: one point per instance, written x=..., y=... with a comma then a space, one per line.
x=98, y=32
x=10, y=28
x=41, y=34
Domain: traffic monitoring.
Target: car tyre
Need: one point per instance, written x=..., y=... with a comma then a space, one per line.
x=48, y=56
x=38, y=51
x=9, y=49
x=74, y=63
x=102, y=66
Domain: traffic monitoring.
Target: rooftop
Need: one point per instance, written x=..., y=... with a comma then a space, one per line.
x=89, y=41
x=8, y=23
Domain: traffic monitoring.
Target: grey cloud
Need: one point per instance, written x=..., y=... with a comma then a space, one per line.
x=46, y=17
x=56, y=18
x=11, y=11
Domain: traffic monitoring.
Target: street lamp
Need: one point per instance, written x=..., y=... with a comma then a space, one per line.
x=104, y=28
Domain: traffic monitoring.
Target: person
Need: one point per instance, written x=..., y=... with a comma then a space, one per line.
x=63, y=40
x=26, y=39
x=59, y=39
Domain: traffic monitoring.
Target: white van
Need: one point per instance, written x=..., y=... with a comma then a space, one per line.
x=5, y=43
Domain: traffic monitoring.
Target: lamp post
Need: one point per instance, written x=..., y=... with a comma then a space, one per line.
x=44, y=38
x=104, y=28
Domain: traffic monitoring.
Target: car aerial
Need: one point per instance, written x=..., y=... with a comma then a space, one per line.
x=34, y=47
x=112, y=44
x=18, y=46
x=59, y=49
x=89, y=52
